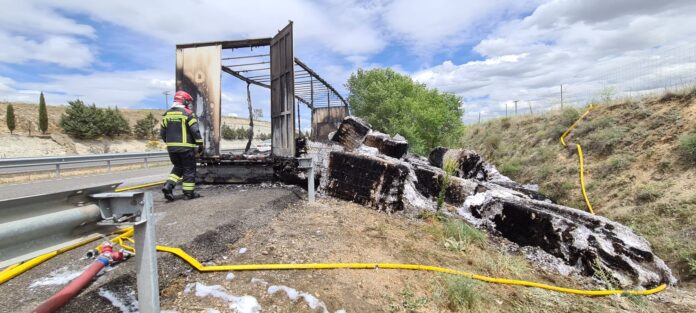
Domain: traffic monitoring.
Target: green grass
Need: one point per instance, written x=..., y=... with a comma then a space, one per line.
x=603, y=141
x=459, y=235
x=511, y=168
x=460, y=293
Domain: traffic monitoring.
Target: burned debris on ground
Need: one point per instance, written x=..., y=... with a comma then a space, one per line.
x=373, y=169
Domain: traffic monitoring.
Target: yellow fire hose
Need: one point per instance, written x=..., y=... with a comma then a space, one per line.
x=127, y=233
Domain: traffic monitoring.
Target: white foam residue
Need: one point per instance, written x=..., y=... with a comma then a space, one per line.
x=211, y=311
x=230, y=276
x=58, y=277
x=259, y=281
x=242, y=250
x=293, y=295
x=340, y=311
x=126, y=304
x=243, y=304
x=189, y=287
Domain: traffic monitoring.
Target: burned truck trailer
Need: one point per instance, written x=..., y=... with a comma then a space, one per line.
x=199, y=70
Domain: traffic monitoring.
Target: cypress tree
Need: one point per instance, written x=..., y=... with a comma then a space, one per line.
x=43, y=115
x=10, y=118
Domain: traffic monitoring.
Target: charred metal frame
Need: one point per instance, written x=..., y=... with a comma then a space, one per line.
x=199, y=68
x=198, y=71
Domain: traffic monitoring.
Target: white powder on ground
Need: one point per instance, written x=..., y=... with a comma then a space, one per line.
x=243, y=304
x=125, y=303
x=242, y=250
x=59, y=277
x=293, y=295
x=230, y=276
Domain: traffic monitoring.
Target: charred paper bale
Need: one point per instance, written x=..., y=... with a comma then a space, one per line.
x=429, y=184
x=367, y=180
x=575, y=237
x=471, y=165
x=351, y=133
x=394, y=147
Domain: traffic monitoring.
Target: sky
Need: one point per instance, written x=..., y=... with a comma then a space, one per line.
x=490, y=53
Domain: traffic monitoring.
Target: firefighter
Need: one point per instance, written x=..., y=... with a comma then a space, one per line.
x=179, y=130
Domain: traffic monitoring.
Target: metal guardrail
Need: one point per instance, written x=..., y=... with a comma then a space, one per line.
x=58, y=161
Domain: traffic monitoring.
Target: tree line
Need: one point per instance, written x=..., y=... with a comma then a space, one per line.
x=229, y=133
x=83, y=121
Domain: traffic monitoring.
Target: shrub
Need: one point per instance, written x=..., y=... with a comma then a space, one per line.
x=395, y=103
x=228, y=133
x=569, y=116
x=692, y=266
x=505, y=122
x=687, y=147
x=145, y=128
x=82, y=121
x=10, y=118
x=461, y=293
x=604, y=141
x=113, y=123
x=648, y=193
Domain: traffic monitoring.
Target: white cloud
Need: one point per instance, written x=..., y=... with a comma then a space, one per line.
x=123, y=89
x=429, y=26
x=635, y=45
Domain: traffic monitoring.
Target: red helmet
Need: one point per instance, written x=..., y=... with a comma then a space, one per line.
x=183, y=97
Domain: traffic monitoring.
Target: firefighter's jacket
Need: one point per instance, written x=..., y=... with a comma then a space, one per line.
x=179, y=128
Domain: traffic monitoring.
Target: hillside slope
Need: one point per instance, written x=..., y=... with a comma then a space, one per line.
x=635, y=170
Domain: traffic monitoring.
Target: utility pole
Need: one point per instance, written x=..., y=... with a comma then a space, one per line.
x=516, y=107
x=166, y=99
x=561, y=96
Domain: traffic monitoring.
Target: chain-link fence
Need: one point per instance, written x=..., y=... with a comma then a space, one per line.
x=629, y=76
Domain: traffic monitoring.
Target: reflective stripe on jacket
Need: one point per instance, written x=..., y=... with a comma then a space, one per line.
x=179, y=128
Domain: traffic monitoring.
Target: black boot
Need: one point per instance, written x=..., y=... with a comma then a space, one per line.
x=167, y=190
x=191, y=195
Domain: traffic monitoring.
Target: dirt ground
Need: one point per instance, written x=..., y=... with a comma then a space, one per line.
x=271, y=224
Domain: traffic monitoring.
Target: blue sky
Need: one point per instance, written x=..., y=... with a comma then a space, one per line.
x=488, y=52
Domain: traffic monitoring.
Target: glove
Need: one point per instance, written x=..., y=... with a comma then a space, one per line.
x=199, y=149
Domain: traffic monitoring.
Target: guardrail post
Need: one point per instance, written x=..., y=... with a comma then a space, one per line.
x=307, y=164
x=57, y=170
x=145, y=162
x=146, y=259
x=108, y=163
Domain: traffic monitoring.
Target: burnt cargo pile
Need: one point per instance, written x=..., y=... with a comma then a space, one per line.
x=375, y=170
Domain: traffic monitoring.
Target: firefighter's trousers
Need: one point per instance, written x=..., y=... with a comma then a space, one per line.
x=184, y=161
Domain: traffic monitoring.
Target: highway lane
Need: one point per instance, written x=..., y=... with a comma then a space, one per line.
x=129, y=178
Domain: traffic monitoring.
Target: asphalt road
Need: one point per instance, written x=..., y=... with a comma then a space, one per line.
x=129, y=178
